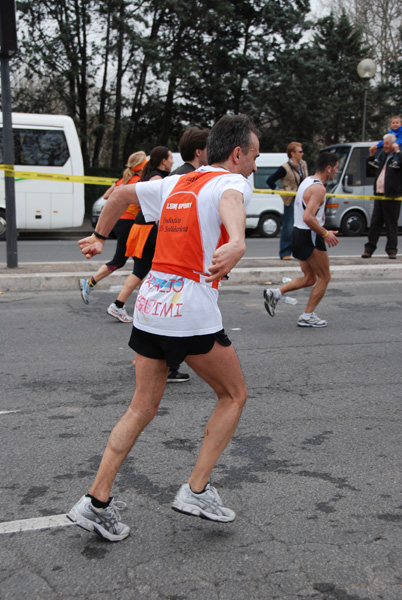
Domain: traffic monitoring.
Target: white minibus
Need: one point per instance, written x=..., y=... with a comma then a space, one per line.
x=44, y=144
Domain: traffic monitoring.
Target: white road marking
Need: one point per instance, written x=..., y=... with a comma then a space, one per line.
x=7, y=412
x=33, y=524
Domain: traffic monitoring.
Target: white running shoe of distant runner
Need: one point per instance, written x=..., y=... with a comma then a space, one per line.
x=312, y=321
x=270, y=302
x=119, y=313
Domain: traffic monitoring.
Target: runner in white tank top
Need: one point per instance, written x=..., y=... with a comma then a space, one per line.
x=309, y=239
x=300, y=205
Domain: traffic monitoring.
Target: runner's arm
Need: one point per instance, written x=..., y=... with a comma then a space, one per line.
x=116, y=205
x=314, y=197
x=233, y=215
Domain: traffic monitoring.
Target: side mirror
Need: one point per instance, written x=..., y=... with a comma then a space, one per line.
x=347, y=183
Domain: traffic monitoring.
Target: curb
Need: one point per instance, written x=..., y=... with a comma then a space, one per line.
x=36, y=277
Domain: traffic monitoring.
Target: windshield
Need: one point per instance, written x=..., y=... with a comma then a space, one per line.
x=342, y=152
x=260, y=178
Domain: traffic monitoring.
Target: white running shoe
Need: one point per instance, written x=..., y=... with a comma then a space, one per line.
x=312, y=321
x=270, y=302
x=119, y=313
x=85, y=288
x=207, y=505
x=105, y=522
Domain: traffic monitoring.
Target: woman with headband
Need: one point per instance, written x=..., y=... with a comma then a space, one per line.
x=132, y=173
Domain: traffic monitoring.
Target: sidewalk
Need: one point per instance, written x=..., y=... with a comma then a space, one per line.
x=58, y=276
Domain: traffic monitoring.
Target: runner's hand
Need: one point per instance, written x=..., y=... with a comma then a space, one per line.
x=331, y=239
x=224, y=259
x=91, y=246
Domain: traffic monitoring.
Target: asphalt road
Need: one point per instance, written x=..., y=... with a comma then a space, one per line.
x=51, y=250
x=313, y=471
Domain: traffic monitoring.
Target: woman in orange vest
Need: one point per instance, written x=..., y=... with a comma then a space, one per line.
x=132, y=173
x=142, y=238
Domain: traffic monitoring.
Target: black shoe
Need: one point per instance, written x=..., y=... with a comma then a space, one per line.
x=394, y=164
x=366, y=254
x=374, y=163
x=174, y=376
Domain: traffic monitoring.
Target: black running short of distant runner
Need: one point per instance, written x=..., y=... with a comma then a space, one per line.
x=304, y=242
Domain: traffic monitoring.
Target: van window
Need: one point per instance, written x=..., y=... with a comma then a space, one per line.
x=260, y=178
x=342, y=152
x=357, y=168
x=40, y=147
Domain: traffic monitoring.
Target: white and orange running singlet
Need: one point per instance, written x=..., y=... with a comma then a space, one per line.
x=174, y=299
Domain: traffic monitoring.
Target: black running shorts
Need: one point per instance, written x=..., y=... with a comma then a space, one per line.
x=174, y=349
x=304, y=241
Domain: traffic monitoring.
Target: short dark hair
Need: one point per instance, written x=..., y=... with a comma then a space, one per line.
x=192, y=139
x=325, y=159
x=230, y=131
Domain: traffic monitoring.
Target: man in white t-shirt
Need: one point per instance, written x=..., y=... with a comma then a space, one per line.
x=200, y=239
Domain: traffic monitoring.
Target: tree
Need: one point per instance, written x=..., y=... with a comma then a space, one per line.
x=380, y=22
x=55, y=46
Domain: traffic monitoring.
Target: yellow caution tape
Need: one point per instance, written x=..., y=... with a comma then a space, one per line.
x=355, y=196
x=10, y=172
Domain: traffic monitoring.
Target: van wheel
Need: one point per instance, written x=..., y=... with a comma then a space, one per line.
x=3, y=225
x=269, y=226
x=354, y=223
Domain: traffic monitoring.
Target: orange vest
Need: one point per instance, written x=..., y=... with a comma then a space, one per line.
x=132, y=210
x=179, y=247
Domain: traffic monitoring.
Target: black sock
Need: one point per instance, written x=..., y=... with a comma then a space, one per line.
x=98, y=503
x=92, y=282
x=119, y=303
x=197, y=493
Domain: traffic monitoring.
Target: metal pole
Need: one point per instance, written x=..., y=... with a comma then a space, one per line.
x=366, y=82
x=8, y=157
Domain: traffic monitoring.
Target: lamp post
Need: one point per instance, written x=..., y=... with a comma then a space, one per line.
x=366, y=70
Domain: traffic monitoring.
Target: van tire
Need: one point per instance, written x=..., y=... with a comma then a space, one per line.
x=3, y=225
x=353, y=224
x=269, y=225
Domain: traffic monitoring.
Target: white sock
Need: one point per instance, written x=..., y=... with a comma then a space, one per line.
x=278, y=294
x=306, y=315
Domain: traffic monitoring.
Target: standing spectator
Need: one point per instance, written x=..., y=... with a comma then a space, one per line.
x=291, y=175
x=387, y=182
x=132, y=173
x=395, y=129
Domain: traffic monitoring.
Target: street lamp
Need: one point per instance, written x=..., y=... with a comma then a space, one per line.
x=366, y=70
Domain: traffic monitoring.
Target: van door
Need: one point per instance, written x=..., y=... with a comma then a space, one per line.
x=264, y=213
x=356, y=213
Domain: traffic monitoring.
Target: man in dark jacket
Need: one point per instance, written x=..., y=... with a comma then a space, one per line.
x=388, y=182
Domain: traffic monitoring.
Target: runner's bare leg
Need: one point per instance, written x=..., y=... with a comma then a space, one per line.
x=150, y=375
x=220, y=368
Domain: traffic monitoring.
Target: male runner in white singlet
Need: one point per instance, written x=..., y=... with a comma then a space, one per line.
x=201, y=237
x=309, y=239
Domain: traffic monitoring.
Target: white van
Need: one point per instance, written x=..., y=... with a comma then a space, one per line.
x=44, y=144
x=351, y=216
x=265, y=210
